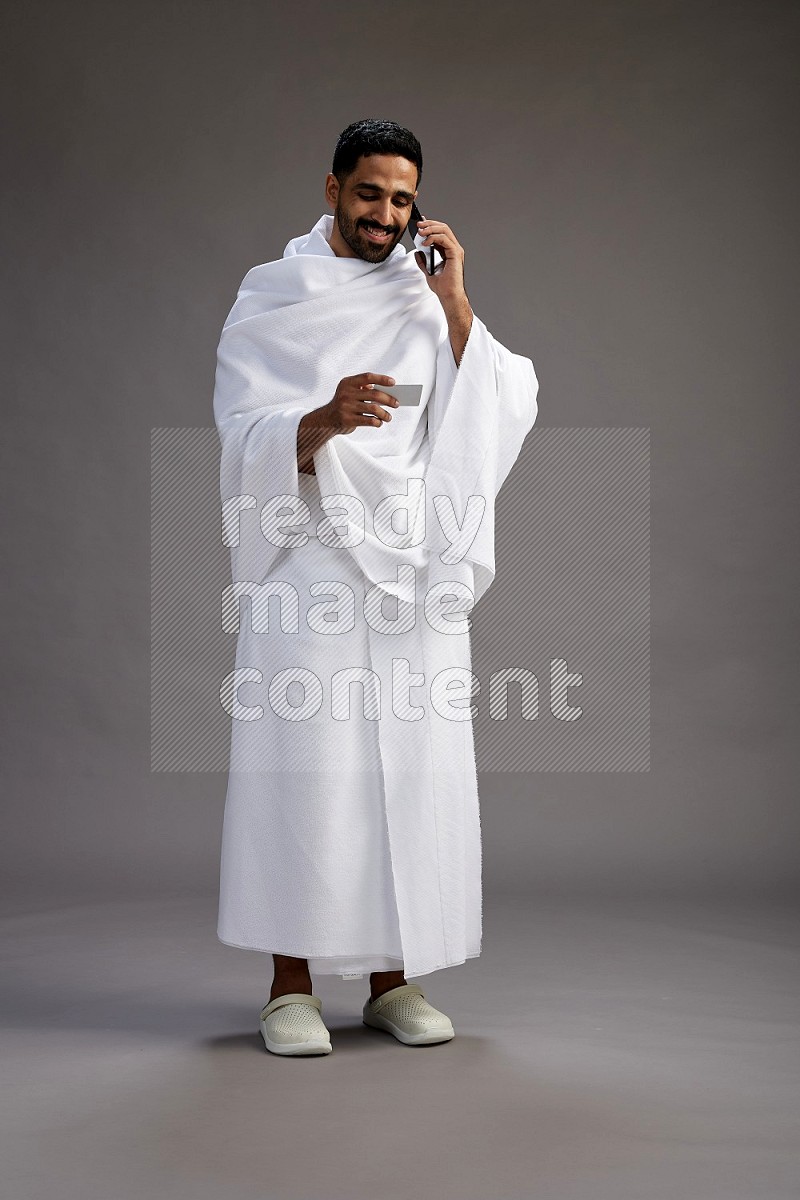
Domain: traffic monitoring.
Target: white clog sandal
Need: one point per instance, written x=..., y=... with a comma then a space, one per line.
x=404, y=1012
x=292, y=1024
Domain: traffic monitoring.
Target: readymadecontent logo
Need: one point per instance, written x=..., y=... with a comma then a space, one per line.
x=572, y=570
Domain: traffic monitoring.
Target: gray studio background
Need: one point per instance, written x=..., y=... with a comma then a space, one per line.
x=622, y=177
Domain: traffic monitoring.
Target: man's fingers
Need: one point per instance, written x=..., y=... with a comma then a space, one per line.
x=438, y=227
x=377, y=410
x=384, y=398
x=368, y=379
x=354, y=406
x=366, y=412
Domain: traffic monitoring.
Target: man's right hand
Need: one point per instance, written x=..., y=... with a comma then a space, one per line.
x=354, y=403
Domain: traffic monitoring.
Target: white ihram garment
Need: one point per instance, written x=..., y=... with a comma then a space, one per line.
x=351, y=834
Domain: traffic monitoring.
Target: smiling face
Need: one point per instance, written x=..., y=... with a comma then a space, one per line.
x=372, y=207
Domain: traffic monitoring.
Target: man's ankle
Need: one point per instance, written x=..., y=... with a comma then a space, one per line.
x=378, y=987
x=287, y=987
x=291, y=974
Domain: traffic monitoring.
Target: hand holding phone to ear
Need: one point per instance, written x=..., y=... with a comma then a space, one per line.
x=447, y=278
x=433, y=259
x=440, y=255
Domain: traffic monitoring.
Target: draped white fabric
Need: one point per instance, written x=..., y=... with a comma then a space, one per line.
x=351, y=834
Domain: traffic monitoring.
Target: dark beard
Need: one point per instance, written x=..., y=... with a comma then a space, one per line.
x=353, y=234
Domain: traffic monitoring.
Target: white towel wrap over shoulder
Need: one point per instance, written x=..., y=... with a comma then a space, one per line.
x=356, y=844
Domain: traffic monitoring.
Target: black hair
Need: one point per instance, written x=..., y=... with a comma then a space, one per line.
x=374, y=137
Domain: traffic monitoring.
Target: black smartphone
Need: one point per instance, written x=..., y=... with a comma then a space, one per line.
x=430, y=252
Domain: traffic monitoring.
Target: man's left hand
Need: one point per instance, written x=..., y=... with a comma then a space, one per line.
x=447, y=283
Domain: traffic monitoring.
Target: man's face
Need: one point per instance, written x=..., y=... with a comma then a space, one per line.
x=377, y=197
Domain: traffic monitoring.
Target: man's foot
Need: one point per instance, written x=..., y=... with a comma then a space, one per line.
x=404, y=1012
x=292, y=1024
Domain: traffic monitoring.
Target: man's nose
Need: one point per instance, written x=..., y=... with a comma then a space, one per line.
x=383, y=216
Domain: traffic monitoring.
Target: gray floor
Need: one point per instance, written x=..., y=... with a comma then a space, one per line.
x=622, y=1049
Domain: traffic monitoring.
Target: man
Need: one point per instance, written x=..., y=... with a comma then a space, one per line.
x=351, y=838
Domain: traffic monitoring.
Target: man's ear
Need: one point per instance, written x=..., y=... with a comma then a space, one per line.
x=331, y=188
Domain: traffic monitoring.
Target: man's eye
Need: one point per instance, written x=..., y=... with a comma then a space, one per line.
x=399, y=203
